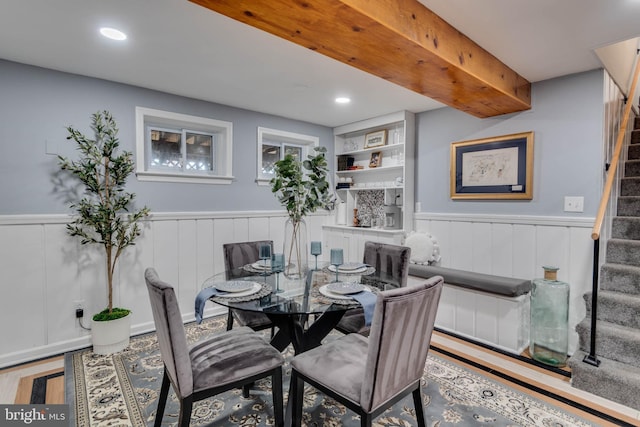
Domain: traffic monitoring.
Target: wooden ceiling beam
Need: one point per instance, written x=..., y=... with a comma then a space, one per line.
x=398, y=40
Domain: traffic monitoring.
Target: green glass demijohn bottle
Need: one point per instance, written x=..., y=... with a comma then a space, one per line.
x=549, y=340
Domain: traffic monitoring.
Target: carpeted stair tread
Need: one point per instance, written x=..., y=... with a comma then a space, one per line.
x=630, y=186
x=612, y=380
x=633, y=152
x=623, y=251
x=617, y=308
x=631, y=168
x=626, y=227
x=620, y=278
x=628, y=206
x=615, y=342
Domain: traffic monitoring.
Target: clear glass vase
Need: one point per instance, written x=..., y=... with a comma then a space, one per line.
x=549, y=341
x=295, y=249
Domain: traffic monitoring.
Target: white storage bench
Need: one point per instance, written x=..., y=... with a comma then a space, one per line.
x=493, y=310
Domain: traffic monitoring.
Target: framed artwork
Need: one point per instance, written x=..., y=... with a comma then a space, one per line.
x=500, y=167
x=376, y=158
x=375, y=139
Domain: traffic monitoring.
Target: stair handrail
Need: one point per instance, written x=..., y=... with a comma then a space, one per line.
x=611, y=172
x=592, y=358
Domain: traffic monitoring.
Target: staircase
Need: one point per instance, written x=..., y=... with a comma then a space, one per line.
x=618, y=325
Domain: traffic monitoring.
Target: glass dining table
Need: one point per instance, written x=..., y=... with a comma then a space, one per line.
x=304, y=310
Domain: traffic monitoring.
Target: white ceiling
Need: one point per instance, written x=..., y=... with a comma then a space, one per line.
x=178, y=47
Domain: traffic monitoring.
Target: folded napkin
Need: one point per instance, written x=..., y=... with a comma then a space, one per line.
x=202, y=298
x=367, y=300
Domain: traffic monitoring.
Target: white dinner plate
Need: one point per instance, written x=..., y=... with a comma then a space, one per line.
x=262, y=264
x=237, y=287
x=351, y=266
x=327, y=293
x=360, y=269
x=345, y=288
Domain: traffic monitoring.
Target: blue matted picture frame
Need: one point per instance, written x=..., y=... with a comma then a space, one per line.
x=500, y=167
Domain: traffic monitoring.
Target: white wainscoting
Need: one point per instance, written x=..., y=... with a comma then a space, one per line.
x=45, y=272
x=511, y=246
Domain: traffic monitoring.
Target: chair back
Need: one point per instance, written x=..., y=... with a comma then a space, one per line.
x=170, y=331
x=399, y=340
x=391, y=260
x=238, y=254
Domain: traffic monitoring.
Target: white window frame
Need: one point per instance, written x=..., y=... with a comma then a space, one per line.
x=266, y=136
x=158, y=118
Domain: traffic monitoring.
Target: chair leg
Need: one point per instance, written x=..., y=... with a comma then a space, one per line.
x=366, y=420
x=276, y=389
x=162, y=399
x=185, y=411
x=229, y=320
x=417, y=402
x=245, y=390
x=297, y=394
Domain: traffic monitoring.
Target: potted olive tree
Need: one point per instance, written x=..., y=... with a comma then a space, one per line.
x=302, y=188
x=104, y=216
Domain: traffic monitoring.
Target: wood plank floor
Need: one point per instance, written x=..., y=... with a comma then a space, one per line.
x=17, y=383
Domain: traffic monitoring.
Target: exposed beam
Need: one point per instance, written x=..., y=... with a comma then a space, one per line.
x=398, y=40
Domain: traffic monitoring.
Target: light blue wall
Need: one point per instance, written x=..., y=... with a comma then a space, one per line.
x=566, y=117
x=36, y=104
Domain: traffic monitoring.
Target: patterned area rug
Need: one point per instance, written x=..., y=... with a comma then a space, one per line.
x=122, y=390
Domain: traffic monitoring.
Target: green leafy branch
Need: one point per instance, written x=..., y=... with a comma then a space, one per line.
x=302, y=187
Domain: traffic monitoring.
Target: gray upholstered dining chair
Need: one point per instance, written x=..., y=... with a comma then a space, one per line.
x=369, y=375
x=237, y=255
x=391, y=261
x=224, y=361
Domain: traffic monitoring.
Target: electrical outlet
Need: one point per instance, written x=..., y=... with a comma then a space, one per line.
x=79, y=308
x=573, y=204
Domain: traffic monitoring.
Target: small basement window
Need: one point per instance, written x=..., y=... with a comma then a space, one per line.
x=274, y=145
x=176, y=147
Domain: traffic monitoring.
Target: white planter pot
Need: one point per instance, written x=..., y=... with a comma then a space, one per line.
x=111, y=336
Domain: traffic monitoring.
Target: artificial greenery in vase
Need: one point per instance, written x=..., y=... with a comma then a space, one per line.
x=302, y=188
x=104, y=213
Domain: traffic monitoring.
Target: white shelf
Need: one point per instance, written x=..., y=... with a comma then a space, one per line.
x=373, y=149
x=368, y=170
x=394, y=187
x=366, y=229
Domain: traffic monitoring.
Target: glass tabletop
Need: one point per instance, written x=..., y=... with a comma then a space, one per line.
x=274, y=293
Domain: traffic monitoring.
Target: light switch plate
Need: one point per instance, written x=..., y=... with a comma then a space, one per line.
x=574, y=204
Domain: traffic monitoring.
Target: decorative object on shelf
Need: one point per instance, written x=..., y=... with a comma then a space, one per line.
x=356, y=221
x=493, y=168
x=392, y=217
x=376, y=159
x=351, y=144
x=105, y=216
x=549, y=340
x=375, y=139
x=337, y=259
x=316, y=249
x=341, y=213
x=300, y=193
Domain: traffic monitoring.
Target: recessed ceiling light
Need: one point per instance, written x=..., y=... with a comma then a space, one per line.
x=113, y=34
x=343, y=100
